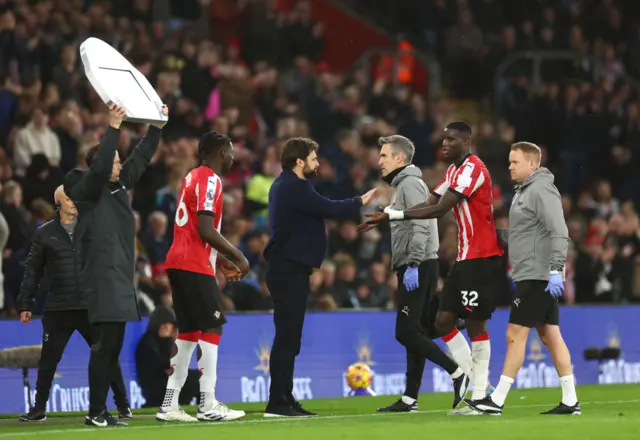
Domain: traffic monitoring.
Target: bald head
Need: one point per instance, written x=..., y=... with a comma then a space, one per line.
x=59, y=195
x=67, y=208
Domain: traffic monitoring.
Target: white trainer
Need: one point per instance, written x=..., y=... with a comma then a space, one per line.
x=464, y=411
x=174, y=415
x=220, y=412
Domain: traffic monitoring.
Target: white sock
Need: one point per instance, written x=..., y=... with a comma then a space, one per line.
x=185, y=345
x=408, y=400
x=480, y=354
x=456, y=374
x=460, y=350
x=568, y=385
x=208, y=366
x=499, y=395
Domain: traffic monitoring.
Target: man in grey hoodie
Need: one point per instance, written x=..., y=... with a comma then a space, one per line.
x=414, y=255
x=538, y=240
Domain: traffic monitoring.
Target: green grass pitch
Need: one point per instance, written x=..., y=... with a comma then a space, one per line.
x=608, y=412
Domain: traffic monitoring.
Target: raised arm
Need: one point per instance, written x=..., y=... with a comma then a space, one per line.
x=137, y=162
x=86, y=186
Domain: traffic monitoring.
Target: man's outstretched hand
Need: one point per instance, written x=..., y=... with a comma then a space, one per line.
x=375, y=218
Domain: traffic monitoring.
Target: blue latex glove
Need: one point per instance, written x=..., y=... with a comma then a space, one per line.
x=410, y=279
x=555, y=286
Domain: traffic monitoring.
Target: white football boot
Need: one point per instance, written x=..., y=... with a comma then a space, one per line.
x=174, y=415
x=219, y=413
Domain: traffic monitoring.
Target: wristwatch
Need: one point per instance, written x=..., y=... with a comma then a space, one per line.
x=413, y=264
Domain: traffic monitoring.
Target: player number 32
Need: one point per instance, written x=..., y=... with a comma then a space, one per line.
x=469, y=298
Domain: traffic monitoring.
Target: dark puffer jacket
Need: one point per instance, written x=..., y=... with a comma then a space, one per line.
x=52, y=251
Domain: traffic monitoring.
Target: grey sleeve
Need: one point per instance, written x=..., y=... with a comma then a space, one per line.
x=548, y=206
x=4, y=232
x=503, y=237
x=413, y=192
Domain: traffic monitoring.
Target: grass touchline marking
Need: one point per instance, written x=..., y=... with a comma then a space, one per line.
x=169, y=425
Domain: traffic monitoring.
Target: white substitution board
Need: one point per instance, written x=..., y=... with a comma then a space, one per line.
x=117, y=81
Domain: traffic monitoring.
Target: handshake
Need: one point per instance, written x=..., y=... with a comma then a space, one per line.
x=375, y=218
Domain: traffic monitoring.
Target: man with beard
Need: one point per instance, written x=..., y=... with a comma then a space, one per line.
x=297, y=246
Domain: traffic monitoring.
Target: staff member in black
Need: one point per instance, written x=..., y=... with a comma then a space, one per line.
x=297, y=246
x=106, y=229
x=55, y=250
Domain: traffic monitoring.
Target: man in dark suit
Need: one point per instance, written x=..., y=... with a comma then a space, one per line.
x=297, y=247
x=106, y=229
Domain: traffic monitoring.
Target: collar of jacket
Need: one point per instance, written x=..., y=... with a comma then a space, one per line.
x=389, y=177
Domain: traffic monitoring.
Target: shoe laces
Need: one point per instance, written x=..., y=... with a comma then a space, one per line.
x=221, y=408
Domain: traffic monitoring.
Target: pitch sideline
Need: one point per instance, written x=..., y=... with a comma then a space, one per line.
x=169, y=425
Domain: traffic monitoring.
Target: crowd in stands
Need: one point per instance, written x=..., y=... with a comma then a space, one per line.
x=271, y=83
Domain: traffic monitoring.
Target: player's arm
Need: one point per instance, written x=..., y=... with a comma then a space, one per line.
x=549, y=212
x=209, y=234
x=137, y=163
x=207, y=192
x=462, y=185
x=444, y=205
x=432, y=200
x=33, y=271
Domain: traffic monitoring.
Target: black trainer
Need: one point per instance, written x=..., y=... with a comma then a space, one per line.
x=282, y=411
x=34, y=415
x=460, y=388
x=296, y=405
x=485, y=406
x=125, y=413
x=98, y=421
x=399, y=406
x=112, y=421
x=563, y=409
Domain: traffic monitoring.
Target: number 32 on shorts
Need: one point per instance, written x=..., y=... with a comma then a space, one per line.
x=469, y=298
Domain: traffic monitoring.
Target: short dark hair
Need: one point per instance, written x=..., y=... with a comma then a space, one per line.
x=211, y=142
x=296, y=148
x=91, y=154
x=460, y=126
x=528, y=148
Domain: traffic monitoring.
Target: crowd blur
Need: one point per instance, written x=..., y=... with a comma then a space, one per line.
x=271, y=83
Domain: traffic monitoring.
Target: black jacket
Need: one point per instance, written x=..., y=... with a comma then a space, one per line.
x=106, y=227
x=296, y=220
x=52, y=251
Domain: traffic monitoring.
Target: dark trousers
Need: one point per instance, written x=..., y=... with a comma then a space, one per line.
x=414, y=325
x=107, y=338
x=289, y=288
x=57, y=329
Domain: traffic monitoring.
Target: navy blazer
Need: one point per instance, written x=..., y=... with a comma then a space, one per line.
x=296, y=220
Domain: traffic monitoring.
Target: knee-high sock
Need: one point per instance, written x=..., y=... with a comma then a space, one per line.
x=208, y=366
x=183, y=347
x=480, y=354
x=460, y=350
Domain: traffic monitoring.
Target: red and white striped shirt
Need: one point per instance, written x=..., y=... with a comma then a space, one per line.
x=201, y=192
x=477, y=237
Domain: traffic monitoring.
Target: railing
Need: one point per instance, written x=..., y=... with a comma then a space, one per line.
x=430, y=65
x=537, y=57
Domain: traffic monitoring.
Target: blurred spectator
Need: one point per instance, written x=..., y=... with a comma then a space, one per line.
x=261, y=75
